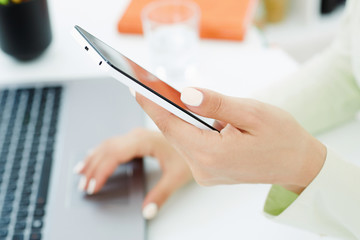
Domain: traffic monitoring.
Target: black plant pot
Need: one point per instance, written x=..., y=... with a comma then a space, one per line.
x=25, y=29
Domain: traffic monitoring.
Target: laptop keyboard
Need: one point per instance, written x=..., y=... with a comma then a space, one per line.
x=28, y=122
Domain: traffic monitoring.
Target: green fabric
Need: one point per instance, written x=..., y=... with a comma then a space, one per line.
x=278, y=200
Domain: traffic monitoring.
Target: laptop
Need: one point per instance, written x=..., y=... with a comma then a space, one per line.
x=45, y=129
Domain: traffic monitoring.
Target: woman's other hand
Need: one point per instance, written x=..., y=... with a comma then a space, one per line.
x=102, y=162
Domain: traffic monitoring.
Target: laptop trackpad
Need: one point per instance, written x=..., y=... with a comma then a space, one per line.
x=116, y=189
x=114, y=193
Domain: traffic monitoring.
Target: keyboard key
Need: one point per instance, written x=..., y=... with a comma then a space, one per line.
x=37, y=224
x=10, y=192
x=4, y=221
x=19, y=148
x=3, y=225
x=33, y=153
x=12, y=187
x=22, y=214
x=24, y=203
x=18, y=158
x=14, y=176
x=18, y=237
x=8, y=134
x=5, y=214
x=9, y=197
x=25, y=198
x=20, y=225
x=28, y=181
x=29, y=175
x=32, y=162
x=40, y=202
x=39, y=212
x=30, y=170
x=7, y=209
x=35, y=236
x=27, y=191
x=3, y=233
x=15, y=167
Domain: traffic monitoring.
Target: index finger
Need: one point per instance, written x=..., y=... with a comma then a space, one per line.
x=174, y=129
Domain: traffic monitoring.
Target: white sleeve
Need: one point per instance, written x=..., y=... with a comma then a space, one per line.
x=324, y=92
x=331, y=203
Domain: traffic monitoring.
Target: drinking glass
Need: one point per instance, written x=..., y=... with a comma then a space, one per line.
x=171, y=29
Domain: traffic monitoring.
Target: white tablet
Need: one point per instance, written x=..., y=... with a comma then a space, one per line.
x=137, y=78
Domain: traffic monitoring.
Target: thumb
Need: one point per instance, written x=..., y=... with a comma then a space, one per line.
x=158, y=196
x=240, y=112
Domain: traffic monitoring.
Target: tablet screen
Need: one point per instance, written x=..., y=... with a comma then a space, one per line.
x=138, y=74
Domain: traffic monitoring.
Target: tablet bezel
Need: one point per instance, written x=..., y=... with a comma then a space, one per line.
x=105, y=64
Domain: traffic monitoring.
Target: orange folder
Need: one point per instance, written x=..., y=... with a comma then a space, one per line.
x=220, y=19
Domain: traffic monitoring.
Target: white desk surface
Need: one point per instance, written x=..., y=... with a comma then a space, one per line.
x=194, y=212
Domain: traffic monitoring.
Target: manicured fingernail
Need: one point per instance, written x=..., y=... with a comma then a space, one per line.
x=150, y=211
x=191, y=97
x=132, y=91
x=78, y=167
x=82, y=184
x=91, y=187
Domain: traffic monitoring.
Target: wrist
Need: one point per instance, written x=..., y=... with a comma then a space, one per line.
x=314, y=161
x=311, y=164
x=293, y=188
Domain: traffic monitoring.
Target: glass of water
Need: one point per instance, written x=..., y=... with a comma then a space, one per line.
x=171, y=29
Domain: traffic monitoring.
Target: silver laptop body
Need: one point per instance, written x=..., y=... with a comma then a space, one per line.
x=90, y=112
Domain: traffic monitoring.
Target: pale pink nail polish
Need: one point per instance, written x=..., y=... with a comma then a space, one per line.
x=192, y=97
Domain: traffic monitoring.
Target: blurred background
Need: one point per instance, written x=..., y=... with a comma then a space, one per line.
x=290, y=32
x=300, y=27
